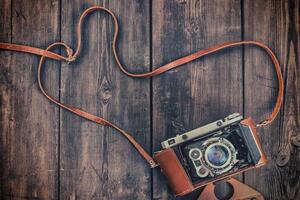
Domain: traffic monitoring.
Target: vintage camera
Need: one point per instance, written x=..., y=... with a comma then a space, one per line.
x=210, y=153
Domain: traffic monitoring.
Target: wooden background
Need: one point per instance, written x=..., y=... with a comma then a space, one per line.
x=48, y=153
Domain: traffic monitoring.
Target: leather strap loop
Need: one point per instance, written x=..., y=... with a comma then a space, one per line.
x=38, y=51
x=91, y=117
x=186, y=59
x=176, y=63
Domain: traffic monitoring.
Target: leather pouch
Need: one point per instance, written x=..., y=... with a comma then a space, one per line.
x=174, y=172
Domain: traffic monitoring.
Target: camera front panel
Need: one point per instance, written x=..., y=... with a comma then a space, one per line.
x=218, y=153
x=210, y=153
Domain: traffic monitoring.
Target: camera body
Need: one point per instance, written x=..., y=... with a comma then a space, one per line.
x=210, y=153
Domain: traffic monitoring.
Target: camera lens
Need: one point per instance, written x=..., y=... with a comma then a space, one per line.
x=202, y=172
x=217, y=155
x=195, y=154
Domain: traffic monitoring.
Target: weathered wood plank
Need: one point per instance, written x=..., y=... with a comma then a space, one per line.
x=278, y=27
x=201, y=91
x=92, y=157
x=97, y=162
x=29, y=123
x=5, y=95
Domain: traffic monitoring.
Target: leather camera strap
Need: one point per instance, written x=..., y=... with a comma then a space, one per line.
x=46, y=53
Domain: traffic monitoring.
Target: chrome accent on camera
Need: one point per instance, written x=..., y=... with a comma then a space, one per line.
x=195, y=155
x=202, y=163
x=230, y=149
x=235, y=117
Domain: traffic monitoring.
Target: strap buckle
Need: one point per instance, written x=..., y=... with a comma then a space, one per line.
x=263, y=123
x=153, y=164
x=71, y=59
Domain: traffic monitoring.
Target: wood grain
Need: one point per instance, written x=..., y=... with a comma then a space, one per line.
x=97, y=162
x=48, y=153
x=204, y=90
x=29, y=124
x=5, y=97
x=278, y=27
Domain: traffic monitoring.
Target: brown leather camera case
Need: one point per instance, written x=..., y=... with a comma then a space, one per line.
x=177, y=177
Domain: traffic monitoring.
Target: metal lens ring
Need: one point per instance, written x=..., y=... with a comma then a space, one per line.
x=195, y=154
x=219, y=154
x=202, y=171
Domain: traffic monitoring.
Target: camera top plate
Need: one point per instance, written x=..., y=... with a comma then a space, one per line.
x=214, y=126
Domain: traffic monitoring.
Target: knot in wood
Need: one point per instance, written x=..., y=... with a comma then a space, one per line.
x=283, y=158
x=105, y=91
x=295, y=140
